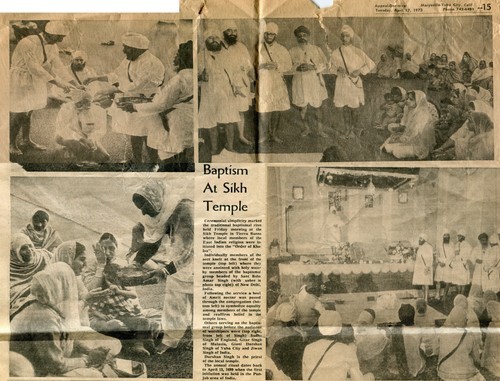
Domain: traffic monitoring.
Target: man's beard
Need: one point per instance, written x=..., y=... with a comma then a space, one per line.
x=214, y=47
x=78, y=67
x=302, y=40
x=231, y=39
x=446, y=240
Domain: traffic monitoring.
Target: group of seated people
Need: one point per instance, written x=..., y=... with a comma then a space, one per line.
x=438, y=70
x=307, y=340
x=459, y=128
x=63, y=307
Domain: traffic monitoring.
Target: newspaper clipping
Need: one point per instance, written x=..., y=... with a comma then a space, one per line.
x=252, y=190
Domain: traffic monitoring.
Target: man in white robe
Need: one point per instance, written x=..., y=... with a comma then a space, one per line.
x=35, y=63
x=175, y=100
x=422, y=272
x=308, y=86
x=349, y=63
x=274, y=60
x=139, y=73
x=218, y=103
x=461, y=263
x=446, y=254
x=239, y=60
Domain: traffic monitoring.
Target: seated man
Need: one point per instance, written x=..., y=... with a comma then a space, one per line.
x=41, y=233
x=80, y=126
x=117, y=309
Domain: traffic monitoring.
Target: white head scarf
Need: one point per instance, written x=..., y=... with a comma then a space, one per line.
x=346, y=29
x=57, y=28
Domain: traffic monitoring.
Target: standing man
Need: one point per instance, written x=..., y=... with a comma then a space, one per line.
x=422, y=273
x=446, y=253
x=174, y=100
x=241, y=64
x=274, y=60
x=460, y=265
x=218, y=104
x=35, y=64
x=140, y=72
x=348, y=63
x=308, y=86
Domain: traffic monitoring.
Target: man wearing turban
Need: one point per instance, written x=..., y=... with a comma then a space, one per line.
x=35, y=63
x=422, y=272
x=140, y=72
x=462, y=265
x=241, y=64
x=446, y=254
x=218, y=103
x=308, y=86
x=274, y=60
x=348, y=63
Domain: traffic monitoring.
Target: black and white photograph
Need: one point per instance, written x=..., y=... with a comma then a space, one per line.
x=102, y=95
x=101, y=277
x=406, y=287
x=346, y=89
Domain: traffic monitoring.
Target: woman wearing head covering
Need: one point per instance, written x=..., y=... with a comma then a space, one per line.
x=25, y=262
x=458, y=349
x=371, y=343
x=41, y=233
x=333, y=356
x=491, y=353
x=167, y=227
x=417, y=139
x=43, y=331
x=468, y=64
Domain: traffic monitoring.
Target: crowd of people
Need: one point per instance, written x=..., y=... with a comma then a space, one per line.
x=229, y=81
x=307, y=339
x=154, y=111
x=67, y=309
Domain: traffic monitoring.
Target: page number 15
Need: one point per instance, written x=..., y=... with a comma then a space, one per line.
x=486, y=7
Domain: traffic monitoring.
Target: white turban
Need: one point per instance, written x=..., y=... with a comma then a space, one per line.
x=330, y=323
x=286, y=312
x=80, y=54
x=493, y=239
x=135, y=40
x=228, y=24
x=271, y=28
x=57, y=28
x=423, y=236
x=211, y=32
x=346, y=29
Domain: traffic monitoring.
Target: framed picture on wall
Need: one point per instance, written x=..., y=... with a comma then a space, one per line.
x=368, y=201
x=297, y=193
x=403, y=197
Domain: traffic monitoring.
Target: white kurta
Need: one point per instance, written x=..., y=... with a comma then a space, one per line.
x=176, y=94
x=29, y=75
x=240, y=63
x=422, y=273
x=446, y=253
x=72, y=124
x=459, y=272
x=490, y=276
x=308, y=87
x=349, y=91
x=273, y=93
x=142, y=76
x=218, y=103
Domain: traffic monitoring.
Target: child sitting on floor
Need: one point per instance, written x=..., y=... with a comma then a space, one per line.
x=390, y=112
